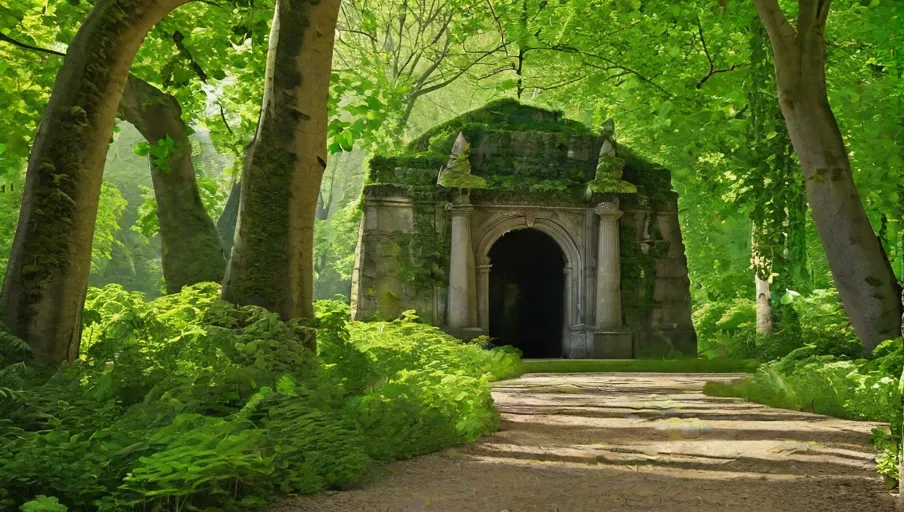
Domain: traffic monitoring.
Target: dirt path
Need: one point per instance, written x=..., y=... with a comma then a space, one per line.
x=638, y=442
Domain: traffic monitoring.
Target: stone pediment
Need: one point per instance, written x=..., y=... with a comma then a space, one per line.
x=524, y=154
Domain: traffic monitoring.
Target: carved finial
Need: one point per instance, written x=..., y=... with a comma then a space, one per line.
x=460, y=147
x=609, y=129
x=457, y=172
x=608, y=149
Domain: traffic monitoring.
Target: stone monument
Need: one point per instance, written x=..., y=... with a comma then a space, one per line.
x=536, y=230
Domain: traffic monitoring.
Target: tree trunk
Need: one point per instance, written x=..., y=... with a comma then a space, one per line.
x=229, y=218
x=272, y=260
x=860, y=268
x=47, y=277
x=189, y=242
x=900, y=507
x=763, y=304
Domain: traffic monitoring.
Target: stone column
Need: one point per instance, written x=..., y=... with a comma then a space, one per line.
x=608, y=275
x=483, y=296
x=459, y=280
x=611, y=339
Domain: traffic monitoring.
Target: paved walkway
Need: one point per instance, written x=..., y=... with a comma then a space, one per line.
x=633, y=442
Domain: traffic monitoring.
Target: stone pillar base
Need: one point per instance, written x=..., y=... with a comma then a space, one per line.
x=614, y=343
x=463, y=333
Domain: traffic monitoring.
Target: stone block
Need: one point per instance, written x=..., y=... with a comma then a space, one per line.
x=671, y=268
x=668, y=342
x=578, y=345
x=671, y=314
x=616, y=344
x=671, y=290
x=395, y=218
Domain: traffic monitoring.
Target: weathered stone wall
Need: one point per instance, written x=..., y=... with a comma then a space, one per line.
x=382, y=284
x=656, y=299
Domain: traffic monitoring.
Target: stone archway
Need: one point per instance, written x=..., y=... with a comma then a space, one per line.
x=492, y=231
x=527, y=293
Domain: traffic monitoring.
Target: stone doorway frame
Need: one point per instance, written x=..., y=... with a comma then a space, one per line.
x=503, y=223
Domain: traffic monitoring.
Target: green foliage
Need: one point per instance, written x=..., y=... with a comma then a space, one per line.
x=335, y=240
x=135, y=263
x=43, y=503
x=863, y=389
x=109, y=213
x=158, y=153
x=187, y=402
x=888, y=458
x=727, y=328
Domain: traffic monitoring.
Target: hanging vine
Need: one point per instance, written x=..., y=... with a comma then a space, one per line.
x=773, y=184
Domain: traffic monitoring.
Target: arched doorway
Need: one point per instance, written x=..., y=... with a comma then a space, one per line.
x=527, y=293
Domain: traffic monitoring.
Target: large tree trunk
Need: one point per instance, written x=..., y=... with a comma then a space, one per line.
x=859, y=266
x=47, y=278
x=272, y=260
x=189, y=242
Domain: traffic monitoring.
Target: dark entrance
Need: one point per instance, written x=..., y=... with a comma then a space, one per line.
x=527, y=293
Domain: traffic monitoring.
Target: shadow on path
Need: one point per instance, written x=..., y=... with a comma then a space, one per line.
x=633, y=442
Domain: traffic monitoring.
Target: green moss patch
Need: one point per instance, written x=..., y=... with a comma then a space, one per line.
x=640, y=366
x=505, y=114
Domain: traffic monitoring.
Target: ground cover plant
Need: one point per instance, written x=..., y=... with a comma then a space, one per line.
x=187, y=402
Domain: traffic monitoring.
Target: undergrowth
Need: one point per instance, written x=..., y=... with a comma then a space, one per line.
x=191, y=403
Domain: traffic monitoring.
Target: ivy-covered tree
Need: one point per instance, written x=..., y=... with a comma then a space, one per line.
x=47, y=276
x=191, y=252
x=190, y=244
x=272, y=259
x=774, y=190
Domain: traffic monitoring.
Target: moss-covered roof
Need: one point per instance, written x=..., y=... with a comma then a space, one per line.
x=500, y=115
x=517, y=147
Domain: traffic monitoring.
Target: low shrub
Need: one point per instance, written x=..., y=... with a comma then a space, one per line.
x=727, y=329
x=187, y=402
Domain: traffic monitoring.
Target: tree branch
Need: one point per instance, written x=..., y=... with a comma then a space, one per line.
x=781, y=33
x=712, y=62
x=611, y=65
x=6, y=39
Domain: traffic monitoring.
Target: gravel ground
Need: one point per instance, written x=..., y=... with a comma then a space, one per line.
x=632, y=442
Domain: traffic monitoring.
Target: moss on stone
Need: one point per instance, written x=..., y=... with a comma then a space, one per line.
x=505, y=114
x=525, y=154
x=457, y=173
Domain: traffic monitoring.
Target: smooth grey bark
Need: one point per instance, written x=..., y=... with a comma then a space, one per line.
x=860, y=268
